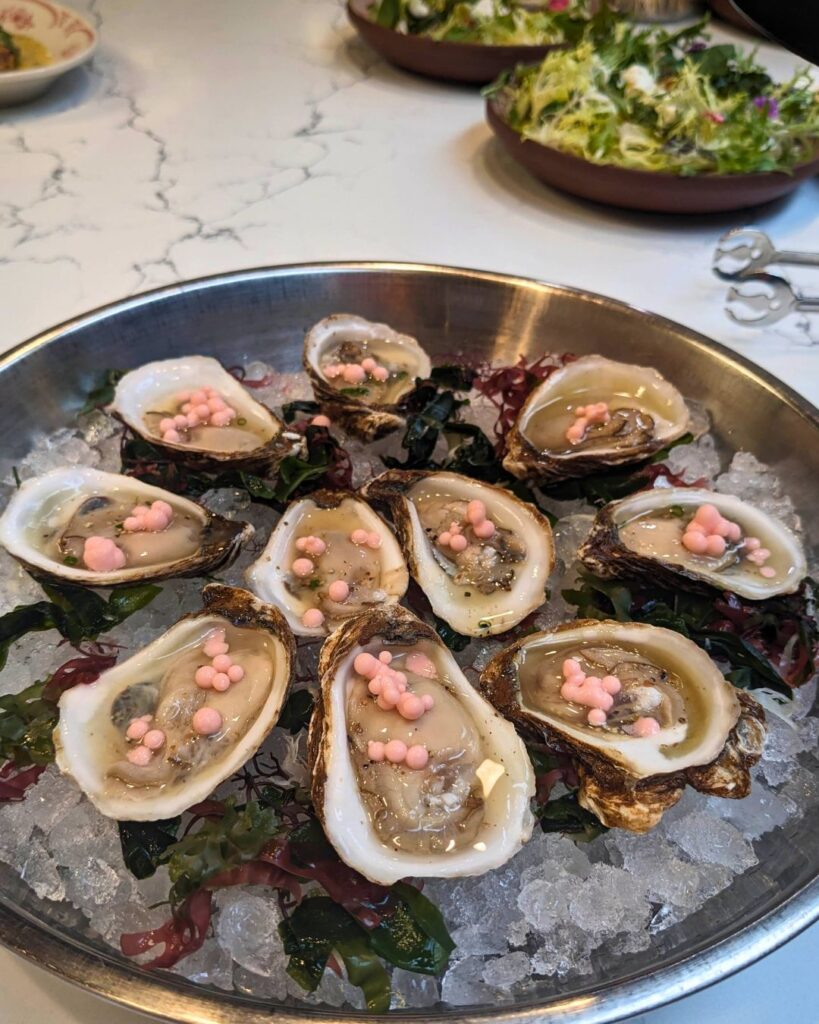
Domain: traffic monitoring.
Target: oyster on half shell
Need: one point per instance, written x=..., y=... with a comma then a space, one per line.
x=642, y=536
x=465, y=811
x=491, y=583
x=92, y=738
x=643, y=414
x=346, y=529
x=155, y=393
x=703, y=732
x=367, y=407
x=49, y=519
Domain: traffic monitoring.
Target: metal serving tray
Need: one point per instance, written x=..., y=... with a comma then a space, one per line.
x=263, y=314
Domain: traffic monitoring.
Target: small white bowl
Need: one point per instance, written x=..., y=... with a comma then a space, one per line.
x=67, y=36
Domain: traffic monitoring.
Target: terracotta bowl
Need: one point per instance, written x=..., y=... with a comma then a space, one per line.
x=643, y=190
x=68, y=37
x=454, y=62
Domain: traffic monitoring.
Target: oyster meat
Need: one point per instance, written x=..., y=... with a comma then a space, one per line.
x=414, y=773
x=593, y=413
x=194, y=409
x=159, y=732
x=642, y=710
x=78, y=525
x=360, y=371
x=481, y=555
x=330, y=557
x=689, y=537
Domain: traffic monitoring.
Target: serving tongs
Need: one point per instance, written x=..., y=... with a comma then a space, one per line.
x=764, y=299
x=745, y=252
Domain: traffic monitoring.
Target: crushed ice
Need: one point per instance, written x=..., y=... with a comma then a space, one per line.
x=548, y=913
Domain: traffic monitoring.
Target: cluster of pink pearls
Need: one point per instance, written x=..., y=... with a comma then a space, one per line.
x=201, y=407
x=708, y=532
x=148, y=740
x=357, y=373
x=597, y=694
x=759, y=556
x=476, y=517
x=101, y=554
x=338, y=590
x=593, y=691
x=149, y=519
x=222, y=671
x=586, y=416
x=389, y=687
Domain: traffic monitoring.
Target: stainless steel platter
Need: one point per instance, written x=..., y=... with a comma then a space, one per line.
x=263, y=314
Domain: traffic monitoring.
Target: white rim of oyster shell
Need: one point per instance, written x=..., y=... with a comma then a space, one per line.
x=356, y=328
x=642, y=756
x=509, y=777
x=139, y=390
x=269, y=574
x=743, y=577
x=670, y=412
x=478, y=614
x=85, y=726
x=41, y=501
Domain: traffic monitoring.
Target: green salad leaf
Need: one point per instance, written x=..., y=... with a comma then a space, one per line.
x=668, y=102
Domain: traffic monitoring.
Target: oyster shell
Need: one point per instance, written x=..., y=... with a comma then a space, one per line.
x=705, y=733
x=465, y=812
x=150, y=394
x=49, y=518
x=493, y=583
x=645, y=413
x=642, y=536
x=370, y=408
x=91, y=741
x=375, y=574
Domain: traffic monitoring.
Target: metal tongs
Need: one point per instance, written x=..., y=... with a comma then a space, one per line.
x=758, y=299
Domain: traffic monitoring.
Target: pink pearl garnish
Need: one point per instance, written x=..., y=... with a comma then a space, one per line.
x=410, y=706
x=375, y=750
x=373, y=540
x=645, y=727
x=484, y=529
x=136, y=729
x=101, y=554
x=768, y=572
x=153, y=739
x=715, y=545
x=359, y=537
x=140, y=756
x=353, y=373
x=458, y=542
x=206, y=721
x=597, y=717
x=204, y=676
x=213, y=648
x=235, y=673
x=221, y=682
x=476, y=511
x=428, y=701
x=313, y=618
x=338, y=591
x=368, y=364
x=365, y=665
x=222, y=662
x=315, y=546
x=380, y=373
x=385, y=657
x=302, y=567
x=395, y=751
x=417, y=757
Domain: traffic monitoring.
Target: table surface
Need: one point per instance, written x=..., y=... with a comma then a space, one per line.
x=208, y=137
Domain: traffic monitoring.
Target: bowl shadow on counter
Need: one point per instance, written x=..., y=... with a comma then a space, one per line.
x=497, y=173
x=70, y=90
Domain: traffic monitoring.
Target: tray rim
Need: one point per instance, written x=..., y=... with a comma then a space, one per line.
x=167, y=998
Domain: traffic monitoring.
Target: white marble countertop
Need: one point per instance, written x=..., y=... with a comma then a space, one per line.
x=208, y=137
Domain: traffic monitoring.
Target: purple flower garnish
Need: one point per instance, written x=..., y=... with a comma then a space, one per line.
x=767, y=104
x=697, y=46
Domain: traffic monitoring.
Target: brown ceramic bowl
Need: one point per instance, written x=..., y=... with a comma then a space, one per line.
x=455, y=62
x=726, y=11
x=642, y=190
